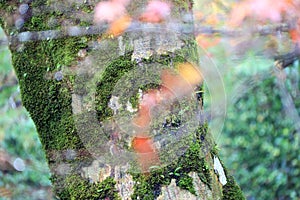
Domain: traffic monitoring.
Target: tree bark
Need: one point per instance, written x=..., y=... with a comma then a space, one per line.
x=82, y=88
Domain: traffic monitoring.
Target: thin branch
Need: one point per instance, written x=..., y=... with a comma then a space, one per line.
x=187, y=28
x=285, y=60
x=184, y=28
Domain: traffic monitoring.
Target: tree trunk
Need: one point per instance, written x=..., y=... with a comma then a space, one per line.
x=82, y=88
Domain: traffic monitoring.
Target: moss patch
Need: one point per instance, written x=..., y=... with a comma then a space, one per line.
x=231, y=191
x=186, y=182
x=117, y=69
x=149, y=185
x=114, y=71
x=78, y=188
x=48, y=100
x=7, y=9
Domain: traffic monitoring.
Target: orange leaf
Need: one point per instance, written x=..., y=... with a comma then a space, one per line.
x=142, y=145
x=190, y=73
x=143, y=118
x=205, y=41
x=260, y=9
x=118, y=26
x=156, y=12
x=146, y=153
x=176, y=84
x=295, y=33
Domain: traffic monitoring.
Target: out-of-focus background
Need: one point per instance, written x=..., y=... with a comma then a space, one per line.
x=260, y=141
x=24, y=173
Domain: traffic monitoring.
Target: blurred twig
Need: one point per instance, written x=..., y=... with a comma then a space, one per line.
x=185, y=28
x=285, y=60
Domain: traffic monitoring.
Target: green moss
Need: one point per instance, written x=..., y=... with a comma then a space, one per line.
x=107, y=189
x=134, y=100
x=231, y=191
x=118, y=68
x=113, y=72
x=215, y=150
x=186, y=182
x=86, y=8
x=183, y=4
x=48, y=100
x=3, y=4
x=8, y=6
x=84, y=23
x=40, y=21
x=1, y=22
x=192, y=161
x=38, y=3
x=78, y=188
x=205, y=176
x=37, y=23
x=166, y=59
x=143, y=189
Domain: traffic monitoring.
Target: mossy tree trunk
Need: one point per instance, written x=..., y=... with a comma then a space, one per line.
x=75, y=82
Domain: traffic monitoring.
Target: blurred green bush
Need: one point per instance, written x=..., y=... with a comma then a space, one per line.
x=19, y=140
x=261, y=141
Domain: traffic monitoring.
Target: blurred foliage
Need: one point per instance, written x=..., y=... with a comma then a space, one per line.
x=19, y=139
x=260, y=137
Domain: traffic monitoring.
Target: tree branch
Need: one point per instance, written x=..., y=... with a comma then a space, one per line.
x=285, y=60
x=183, y=28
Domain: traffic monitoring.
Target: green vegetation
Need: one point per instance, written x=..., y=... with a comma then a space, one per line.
x=261, y=141
x=78, y=188
x=19, y=139
x=149, y=186
x=109, y=78
x=118, y=68
x=50, y=104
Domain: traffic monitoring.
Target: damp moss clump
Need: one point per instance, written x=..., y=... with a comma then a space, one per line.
x=186, y=182
x=78, y=188
x=231, y=191
x=119, y=68
x=48, y=100
x=149, y=185
x=113, y=72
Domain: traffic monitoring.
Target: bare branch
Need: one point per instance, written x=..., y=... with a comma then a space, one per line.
x=285, y=60
x=183, y=28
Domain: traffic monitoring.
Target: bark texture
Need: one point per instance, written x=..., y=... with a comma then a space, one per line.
x=81, y=88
